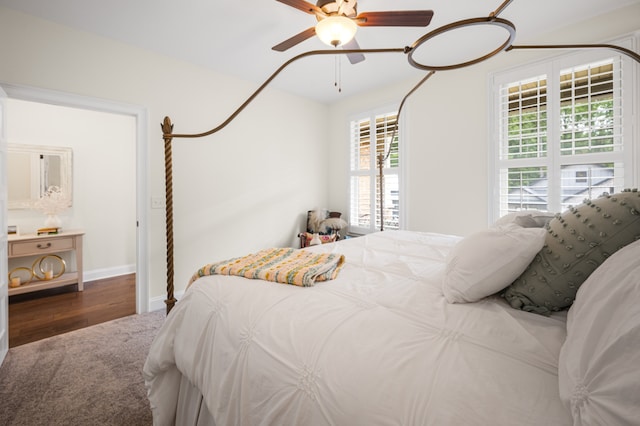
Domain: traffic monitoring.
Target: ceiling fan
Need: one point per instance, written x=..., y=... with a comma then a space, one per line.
x=338, y=21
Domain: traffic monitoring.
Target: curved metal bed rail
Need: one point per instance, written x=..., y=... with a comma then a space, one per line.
x=167, y=126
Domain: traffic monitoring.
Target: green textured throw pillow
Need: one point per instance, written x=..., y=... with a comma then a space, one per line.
x=577, y=242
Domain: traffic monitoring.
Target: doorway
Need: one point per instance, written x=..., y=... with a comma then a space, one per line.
x=138, y=116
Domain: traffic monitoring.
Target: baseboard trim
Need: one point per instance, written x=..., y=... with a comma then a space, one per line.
x=98, y=274
x=157, y=303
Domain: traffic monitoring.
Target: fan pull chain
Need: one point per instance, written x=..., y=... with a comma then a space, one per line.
x=337, y=78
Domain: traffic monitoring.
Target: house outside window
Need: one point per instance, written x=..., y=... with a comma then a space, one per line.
x=374, y=134
x=581, y=176
x=562, y=132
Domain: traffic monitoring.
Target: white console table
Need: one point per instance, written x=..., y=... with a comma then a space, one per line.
x=23, y=246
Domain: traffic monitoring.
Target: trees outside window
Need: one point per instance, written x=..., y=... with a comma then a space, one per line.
x=562, y=132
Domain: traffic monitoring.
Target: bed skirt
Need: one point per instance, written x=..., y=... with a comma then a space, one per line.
x=191, y=410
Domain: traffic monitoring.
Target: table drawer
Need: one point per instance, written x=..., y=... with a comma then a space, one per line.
x=27, y=248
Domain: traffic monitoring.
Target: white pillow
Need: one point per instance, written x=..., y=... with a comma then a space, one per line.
x=488, y=261
x=599, y=366
x=526, y=219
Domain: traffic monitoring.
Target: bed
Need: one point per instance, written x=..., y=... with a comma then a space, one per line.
x=533, y=321
x=406, y=334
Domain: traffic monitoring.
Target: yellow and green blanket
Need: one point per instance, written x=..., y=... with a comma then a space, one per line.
x=282, y=265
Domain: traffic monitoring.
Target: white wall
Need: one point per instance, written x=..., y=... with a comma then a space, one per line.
x=104, y=178
x=446, y=131
x=246, y=187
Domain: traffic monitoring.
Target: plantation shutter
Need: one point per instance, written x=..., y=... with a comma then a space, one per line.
x=560, y=136
x=371, y=137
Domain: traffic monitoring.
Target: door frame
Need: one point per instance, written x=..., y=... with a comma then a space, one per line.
x=140, y=114
x=4, y=275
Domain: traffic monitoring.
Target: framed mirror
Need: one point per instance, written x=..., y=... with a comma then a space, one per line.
x=32, y=169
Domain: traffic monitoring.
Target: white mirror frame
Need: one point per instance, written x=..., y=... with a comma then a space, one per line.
x=31, y=172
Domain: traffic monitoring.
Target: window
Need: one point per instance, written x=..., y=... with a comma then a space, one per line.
x=581, y=176
x=562, y=132
x=373, y=136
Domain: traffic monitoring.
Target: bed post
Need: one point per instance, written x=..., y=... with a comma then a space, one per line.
x=167, y=129
x=381, y=158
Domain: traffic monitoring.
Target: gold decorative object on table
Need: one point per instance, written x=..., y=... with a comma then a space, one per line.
x=16, y=276
x=43, y=267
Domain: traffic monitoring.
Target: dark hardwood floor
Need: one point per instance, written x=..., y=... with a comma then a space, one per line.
x=34, y=316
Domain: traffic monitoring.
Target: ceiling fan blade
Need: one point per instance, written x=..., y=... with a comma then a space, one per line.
x=354, y=58
x=399, y=18
x=298, y=38
x=303, y=6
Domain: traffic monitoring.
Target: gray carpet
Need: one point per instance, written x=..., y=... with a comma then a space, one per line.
x=91, y=376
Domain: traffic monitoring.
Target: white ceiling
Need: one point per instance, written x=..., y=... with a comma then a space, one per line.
x=235, y=37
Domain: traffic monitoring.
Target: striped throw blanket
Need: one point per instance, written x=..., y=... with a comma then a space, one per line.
x=282, y=265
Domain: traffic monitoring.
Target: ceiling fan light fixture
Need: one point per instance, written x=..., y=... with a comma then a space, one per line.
x=336, y=30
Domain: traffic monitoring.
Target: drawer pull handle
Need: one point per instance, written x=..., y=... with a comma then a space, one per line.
x=40, y=246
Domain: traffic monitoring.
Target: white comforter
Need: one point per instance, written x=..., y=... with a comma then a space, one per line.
x=379, y=345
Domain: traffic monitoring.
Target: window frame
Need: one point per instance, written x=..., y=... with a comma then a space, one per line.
x=551, y=67
x=400, y=171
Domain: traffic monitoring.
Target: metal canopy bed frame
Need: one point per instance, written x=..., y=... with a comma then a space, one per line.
x=491, y=20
